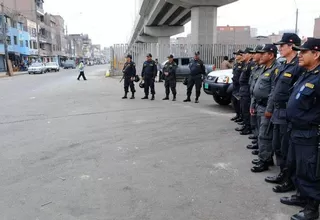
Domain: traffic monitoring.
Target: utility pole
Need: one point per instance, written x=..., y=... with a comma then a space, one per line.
x=297, y=16
x=4, y=39
x=37, y=23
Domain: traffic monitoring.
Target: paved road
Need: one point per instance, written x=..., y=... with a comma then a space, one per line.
x=74, y=150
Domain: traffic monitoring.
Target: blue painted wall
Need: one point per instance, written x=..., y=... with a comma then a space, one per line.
x=21, y=35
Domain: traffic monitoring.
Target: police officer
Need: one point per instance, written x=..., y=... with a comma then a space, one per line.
x=303, y=112
x=244, y=92
x=129, y=73
x=255, y=73
x=197, y=69
x=148, y=74
x=288, y=74
x=237, y=69
x=169, y=72
x=262, y=101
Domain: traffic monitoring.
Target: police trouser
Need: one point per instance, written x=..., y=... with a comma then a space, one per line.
x=170, y=84
x=160, y=76
x=304, y=147
x=81, y=74
x=149, y=82
x=197, y=81
x=128, y=83
x=280, y=143
x=254, y=125
x=236, y=105
x=265, y=135
x=245, y=109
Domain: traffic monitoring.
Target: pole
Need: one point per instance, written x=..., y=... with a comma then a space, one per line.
x=297, y=16
x=37, y=23
x=4, y=39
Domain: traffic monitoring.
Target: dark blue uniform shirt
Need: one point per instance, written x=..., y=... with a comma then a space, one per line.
x=237, y=69
x=149, y=69
x=129, y=69
x=197, y=68
x=304, y=103
x=244, y=79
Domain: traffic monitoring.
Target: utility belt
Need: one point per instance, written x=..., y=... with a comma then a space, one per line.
x=262, y=102
x=298, y=126
x=280, y=105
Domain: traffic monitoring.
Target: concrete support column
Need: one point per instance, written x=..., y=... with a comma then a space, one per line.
x=204, y=25
x=164, y=48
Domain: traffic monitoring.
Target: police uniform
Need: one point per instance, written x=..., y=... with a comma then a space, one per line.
x=197, y=69
x=237, y=69
x=169, y=72
x=255, y=73
x=303, y=112
x=244, y=93
x=261, y=95
x=129, y=72
x=149, y=73
x=288, y=74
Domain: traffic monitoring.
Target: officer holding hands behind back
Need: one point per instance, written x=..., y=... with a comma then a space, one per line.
x=148, y=74
x=169, y=72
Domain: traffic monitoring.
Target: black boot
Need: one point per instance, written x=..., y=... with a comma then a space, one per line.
x=145, y=97
x=197, y=100
x=286, y=186
x=294, y=200
x=125, y=96
x=255, y=152
x=235, y=118
x=132, y=96
x=152, y=98
x=166, y=98
x=276, y=179
x=240, y=128
x=253, y=147
x=187, y=100
x=246, y=131
x=238, y=120
x=310, y=212
x=174, y=98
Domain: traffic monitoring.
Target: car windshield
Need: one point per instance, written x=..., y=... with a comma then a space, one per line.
x=52, y=64
x=69, y=61
x=36, y=64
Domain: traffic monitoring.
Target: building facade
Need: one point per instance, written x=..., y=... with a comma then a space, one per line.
x=316, y=31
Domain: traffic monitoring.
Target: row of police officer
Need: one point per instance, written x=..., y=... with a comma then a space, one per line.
x=281, y=104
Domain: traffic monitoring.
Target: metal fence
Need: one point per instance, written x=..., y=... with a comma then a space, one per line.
x=209, y=53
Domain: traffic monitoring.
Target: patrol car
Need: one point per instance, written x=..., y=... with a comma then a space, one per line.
x=219, y=84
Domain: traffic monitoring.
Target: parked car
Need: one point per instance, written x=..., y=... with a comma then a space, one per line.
x=183, y=66
x=37, y=68
x=52, y=66
x=69, y=64
x=219, y=85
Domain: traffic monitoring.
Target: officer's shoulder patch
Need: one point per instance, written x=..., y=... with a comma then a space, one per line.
x=276, y=71
x=317, y=71
x=287, y=75
x=252, y=67
x=267, y=74
x=309, y=85
x=239, y=67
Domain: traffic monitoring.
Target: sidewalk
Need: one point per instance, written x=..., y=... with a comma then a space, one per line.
x=4, y=74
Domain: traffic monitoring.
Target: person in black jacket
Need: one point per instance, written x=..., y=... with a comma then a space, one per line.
x=197, y=70
x=148, y=74
x=129, y=73
x=169, y=71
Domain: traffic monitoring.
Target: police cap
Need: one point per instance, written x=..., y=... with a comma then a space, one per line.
x=238, y=52
x=149, y=55
x=289, y=38
x=311, y=44
x=171, y=56
x=247, y=50
x=129, y=56
x=270, y=48
x=197, y=53
x=258, y=47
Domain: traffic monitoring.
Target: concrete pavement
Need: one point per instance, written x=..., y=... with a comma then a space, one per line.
x=73, y=150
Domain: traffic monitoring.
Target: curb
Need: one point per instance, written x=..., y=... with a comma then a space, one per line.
x=3, y=74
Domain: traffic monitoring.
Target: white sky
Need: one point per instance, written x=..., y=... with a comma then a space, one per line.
x=110, y=21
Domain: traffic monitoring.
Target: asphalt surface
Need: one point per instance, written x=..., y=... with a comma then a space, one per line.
x=73, y=150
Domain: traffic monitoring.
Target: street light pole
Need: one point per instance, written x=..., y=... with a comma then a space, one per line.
x=4, y=39
x=297, y=16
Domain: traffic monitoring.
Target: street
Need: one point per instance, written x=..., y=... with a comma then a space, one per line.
x=73, y=150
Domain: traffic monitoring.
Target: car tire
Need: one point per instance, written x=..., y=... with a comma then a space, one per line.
x=222, y=100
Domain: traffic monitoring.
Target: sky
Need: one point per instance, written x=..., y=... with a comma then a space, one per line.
x=110, y=22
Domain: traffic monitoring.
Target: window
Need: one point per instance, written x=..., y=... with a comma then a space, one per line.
x=15, y=40
x=20, y=26
x=54, y=47
x=27, y=43
x=185, y=61
x=30, y=44
x=8, y=40
x=21, y=43
x=35, y=45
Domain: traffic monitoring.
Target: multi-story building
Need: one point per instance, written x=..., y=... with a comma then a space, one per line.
x=33, y=44
x=316, y=32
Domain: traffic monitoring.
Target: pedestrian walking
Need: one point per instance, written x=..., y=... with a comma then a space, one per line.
x=81, y=70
